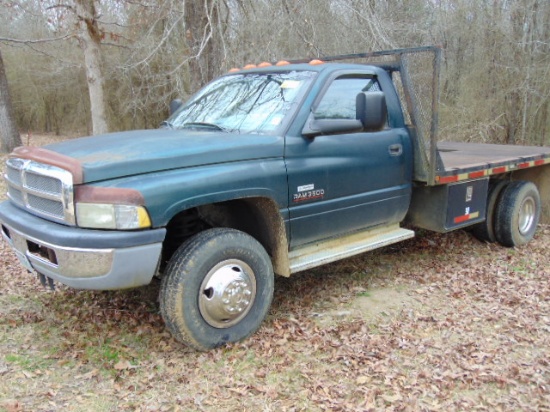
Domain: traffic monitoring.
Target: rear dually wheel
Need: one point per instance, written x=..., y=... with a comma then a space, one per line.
x=517, y=213
x=485, y=231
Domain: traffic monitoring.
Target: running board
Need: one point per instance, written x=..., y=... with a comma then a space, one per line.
x=319, y=253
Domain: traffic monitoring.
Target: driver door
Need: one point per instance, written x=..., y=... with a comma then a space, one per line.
x=345, y=182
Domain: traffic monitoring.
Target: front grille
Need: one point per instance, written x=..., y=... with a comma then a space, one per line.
x=41, y=189
x=43, y=183
x=50, y=207
x=16, y=195
x=13, y=175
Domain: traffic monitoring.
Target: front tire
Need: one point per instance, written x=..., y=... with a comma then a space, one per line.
x=217, y=289
x=517, y=214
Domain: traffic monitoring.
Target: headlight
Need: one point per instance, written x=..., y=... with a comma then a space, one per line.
x=106, y=216
x=110, y=208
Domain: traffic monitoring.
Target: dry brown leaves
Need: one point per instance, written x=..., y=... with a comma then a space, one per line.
x=477, y=338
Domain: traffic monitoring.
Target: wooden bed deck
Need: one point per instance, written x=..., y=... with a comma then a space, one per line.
x=477, y=156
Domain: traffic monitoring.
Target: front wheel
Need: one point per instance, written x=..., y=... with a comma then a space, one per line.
x=517, y=213
x=217, y=289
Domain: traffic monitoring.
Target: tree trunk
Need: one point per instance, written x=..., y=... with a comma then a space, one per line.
x=90, y=41
x=202, y=35
x=8, y=129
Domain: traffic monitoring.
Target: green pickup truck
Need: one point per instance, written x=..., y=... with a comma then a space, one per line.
x=269, y=169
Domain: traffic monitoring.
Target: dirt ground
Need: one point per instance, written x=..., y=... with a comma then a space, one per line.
x=439, y=322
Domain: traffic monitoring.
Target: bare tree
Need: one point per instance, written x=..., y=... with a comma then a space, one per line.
x=203, y=34
x=495, y=67
x=8, y=129
x=90, y=41
x=61, y=21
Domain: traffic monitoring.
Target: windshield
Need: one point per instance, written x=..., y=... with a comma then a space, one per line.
x=251, y=103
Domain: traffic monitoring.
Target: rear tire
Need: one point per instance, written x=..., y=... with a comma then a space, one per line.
x=517, y=214
x=217, y=289
x=485, y=231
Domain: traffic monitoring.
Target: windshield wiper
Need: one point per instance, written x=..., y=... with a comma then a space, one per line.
x=205, y=125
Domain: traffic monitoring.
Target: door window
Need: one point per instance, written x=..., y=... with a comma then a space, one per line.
x=338, y=102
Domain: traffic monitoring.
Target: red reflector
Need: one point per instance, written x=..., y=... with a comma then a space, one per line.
x=461, y=219
x=473, y=175
x=447, y=179
x=539, y=162
x=523, y=165
x=500, y=169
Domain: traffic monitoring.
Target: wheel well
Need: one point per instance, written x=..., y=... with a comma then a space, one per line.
x=540, y=176
x=258, y=217
x=180, y=228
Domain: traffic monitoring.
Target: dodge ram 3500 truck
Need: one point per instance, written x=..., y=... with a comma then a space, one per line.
x=269, y=169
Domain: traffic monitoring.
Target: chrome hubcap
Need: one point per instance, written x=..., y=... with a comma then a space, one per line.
x=526, y=215
x=227, y=293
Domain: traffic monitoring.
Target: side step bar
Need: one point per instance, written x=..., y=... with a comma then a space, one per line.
x=330, y=250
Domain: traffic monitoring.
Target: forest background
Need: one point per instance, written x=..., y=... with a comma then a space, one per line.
x=78, y=67
x=438, y=323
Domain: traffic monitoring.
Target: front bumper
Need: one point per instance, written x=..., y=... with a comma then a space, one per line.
x=82, y=258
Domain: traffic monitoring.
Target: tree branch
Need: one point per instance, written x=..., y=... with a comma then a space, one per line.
x=61, y=6
x=20, y=41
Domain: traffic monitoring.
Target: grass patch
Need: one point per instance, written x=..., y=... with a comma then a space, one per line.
x=29, y=362
x=103, y=354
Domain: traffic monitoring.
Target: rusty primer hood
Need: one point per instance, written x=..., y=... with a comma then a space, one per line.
x=131, y=153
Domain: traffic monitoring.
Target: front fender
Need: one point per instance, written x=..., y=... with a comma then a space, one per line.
x=170, y=192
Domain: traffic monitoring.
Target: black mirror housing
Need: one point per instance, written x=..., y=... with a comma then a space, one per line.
x=175, y=105
x=371, y=110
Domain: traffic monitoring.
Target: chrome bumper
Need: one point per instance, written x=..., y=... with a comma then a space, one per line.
x=83, y=266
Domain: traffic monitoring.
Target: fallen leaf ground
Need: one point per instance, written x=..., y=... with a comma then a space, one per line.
x=439, y=322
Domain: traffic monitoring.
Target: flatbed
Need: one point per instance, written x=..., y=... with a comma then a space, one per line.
x=462, y=161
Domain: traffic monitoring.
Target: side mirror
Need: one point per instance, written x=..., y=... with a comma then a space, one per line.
x=371, y=110
x=175, y=105
x=315, y=127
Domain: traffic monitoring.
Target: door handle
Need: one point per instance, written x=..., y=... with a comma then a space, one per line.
x=395, y=149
